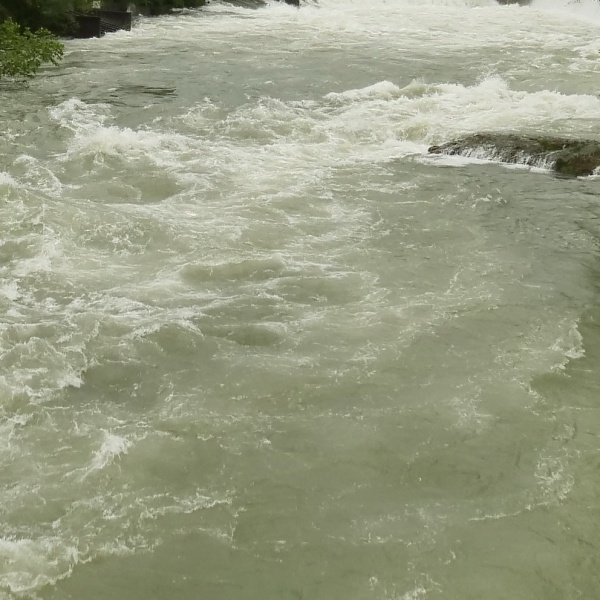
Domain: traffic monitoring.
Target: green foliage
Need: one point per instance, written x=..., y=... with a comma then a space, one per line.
x=55, y=15
x=22, y=52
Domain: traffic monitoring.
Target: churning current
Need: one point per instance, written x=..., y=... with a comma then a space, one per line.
x=256, y=344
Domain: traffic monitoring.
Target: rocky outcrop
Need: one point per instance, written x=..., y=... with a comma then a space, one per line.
x=565, y=156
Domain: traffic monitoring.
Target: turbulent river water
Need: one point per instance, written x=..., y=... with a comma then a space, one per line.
x=256, y=344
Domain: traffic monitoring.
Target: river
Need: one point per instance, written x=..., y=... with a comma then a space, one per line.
x=257, y=344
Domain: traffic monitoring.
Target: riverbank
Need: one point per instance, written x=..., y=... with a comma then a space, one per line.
x=61, y=17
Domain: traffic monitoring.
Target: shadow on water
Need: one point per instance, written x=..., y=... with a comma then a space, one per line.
x=128, y=96
x=143, y=89
x=136, y=95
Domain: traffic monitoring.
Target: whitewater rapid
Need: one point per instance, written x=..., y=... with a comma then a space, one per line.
x=256, y=341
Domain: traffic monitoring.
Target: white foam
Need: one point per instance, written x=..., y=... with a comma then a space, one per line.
x=94, y=137
x=554, y=479
x=28, y=564
x=10, y=290
x=42, y=262
x=569, y=346
x=416, y=594
x=76, y=115
x=7, y=180
x=403, y=120
x=492, y=105
x=69, y=378
x=126, y=142
x=383, y=90
x=275, y=143
x=113, y=447
x=38, y=176
x=188, y=505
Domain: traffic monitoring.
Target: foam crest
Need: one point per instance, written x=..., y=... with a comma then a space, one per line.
x=385, y=119
x=36, y=176
x=181, y=506
x=129, y=144
x=453, y=109
x=570, y=345
x=113, y=447
x=7, y=180
x=28, y=564
x=375, y=123
x=383, y=90
x=94, y=137
x=42, y=344
x=38, y=370
x=553, y=477
x=40, y=262
x=55, y=518
x=76, y=115
x=10, y=290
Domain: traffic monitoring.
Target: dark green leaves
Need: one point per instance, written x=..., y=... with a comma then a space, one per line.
x=23, y=52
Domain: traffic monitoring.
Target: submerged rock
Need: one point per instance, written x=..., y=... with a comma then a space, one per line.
x=565, y=156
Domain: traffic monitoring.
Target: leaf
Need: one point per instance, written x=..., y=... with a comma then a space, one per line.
x=22, y=52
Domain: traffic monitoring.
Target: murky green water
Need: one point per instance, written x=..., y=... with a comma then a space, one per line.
x=256, y=344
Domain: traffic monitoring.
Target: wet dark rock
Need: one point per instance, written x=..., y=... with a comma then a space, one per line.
x=565, y=156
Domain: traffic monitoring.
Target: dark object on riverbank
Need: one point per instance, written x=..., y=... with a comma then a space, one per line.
x=567, y=157
x=99, y=22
